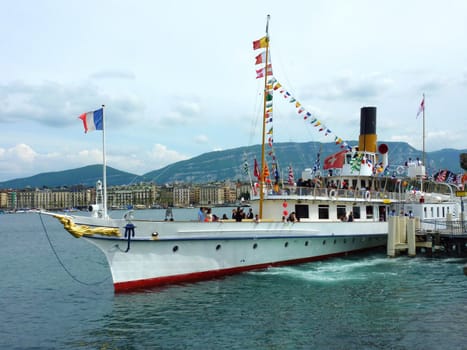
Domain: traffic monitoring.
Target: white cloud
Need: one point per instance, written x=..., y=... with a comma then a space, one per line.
x=113, y=74
x=18, y=160
x=201, y=139
x=161, y=156
x=183, y=111
x=348, y=86
x=56, y=104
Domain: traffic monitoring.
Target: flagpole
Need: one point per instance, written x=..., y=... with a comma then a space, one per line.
x=104, y=166
x=261, y=181
x=423, y=115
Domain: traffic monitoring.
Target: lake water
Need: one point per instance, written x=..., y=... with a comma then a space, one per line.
x=360, y=302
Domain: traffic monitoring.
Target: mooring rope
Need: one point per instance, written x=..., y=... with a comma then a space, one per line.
x=61, y=262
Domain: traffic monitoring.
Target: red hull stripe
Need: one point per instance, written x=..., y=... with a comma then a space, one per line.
x=206, y=275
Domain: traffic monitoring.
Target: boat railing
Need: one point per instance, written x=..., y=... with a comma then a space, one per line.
x=334, y=193
x=453, y=227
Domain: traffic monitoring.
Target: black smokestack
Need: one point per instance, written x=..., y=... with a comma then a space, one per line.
x=367, y=139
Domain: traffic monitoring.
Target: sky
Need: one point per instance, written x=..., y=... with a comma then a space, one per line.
x=178, y=79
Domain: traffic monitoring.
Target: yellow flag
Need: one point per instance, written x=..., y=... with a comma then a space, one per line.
x=260, y=43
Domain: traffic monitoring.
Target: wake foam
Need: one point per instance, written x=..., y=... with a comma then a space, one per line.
x=337, y=269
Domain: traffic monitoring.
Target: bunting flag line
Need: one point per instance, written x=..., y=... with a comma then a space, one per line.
x=451, y=178
x=273, y=85
x=317, y=164
x=441, y=176
x=291, y=180
x=356, y=162
x=260, y=43
x=256, y=169
x=265, y=171
x=308, y=116
x=261, y=58
x=276, y=172
x=262, y=71
x=246, y=171
x=378, y=169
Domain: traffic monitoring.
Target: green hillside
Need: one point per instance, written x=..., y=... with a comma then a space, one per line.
x=86, y=176
x=229, y=165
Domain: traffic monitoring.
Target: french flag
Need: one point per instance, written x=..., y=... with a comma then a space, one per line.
x=93, y=120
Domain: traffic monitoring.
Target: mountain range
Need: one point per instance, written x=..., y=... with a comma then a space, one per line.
x=230, y=165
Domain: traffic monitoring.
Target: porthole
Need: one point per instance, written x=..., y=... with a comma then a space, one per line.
x=345, y=241
x=324, y=242
x=286, y=244
x=255, y=245
x=306, y=243
x=218, y=247
x=335, y=241
x=175, y=248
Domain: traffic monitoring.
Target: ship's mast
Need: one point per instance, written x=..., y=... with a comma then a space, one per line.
x=263, y=140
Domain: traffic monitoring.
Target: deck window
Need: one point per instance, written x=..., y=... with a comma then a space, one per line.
x=302, y=211
x=341, y=211
x=323, y=211
x=369, y=212
x=356, y=212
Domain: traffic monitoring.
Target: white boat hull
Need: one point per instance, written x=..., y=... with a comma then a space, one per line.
x=191, y=251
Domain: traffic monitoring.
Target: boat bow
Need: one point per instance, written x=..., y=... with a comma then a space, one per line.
x=78, y=230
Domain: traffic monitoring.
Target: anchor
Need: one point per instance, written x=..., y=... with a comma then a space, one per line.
x=129, y=232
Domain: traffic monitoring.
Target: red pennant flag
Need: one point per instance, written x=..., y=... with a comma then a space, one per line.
x=291, y=177
x=261, y=58
x=422, y=106
x=266, y=171
x=256, y=169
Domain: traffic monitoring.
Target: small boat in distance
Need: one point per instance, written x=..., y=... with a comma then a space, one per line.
x=320, y=217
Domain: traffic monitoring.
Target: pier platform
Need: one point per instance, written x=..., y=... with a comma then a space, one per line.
x=435, y=238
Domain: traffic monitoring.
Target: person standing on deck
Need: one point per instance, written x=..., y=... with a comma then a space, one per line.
x=238, y=215
x=201, y=215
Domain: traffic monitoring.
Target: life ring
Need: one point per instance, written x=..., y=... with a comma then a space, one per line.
x=367, y=195
x=400, y=169
x=332, y=194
